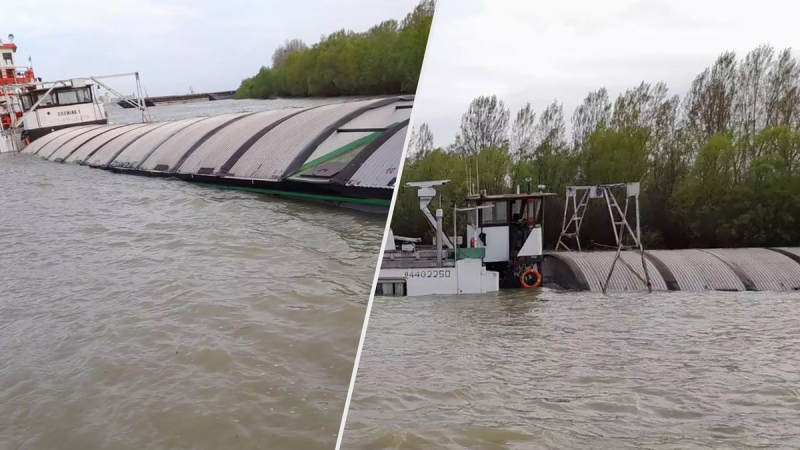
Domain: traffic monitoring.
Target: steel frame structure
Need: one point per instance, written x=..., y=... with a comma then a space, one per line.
x=577, y=202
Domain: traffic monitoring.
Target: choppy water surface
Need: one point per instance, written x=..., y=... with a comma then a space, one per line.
x=150, y=313
x=567, y=370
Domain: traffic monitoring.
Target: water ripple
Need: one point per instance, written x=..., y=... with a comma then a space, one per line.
x=149, y=313
x=565, y=370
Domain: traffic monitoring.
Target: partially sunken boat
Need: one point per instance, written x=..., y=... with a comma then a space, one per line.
x=503, y=248
x=344, y=153
x=31, y=108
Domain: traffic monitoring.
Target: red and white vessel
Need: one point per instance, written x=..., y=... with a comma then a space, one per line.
x=31, y=108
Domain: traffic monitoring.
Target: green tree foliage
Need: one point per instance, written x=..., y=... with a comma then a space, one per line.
x=719, y=168
x=386, y=59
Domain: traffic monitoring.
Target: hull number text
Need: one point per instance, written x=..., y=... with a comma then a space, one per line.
x=435, y=273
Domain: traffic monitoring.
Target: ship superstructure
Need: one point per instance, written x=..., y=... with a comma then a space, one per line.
x=31, y=108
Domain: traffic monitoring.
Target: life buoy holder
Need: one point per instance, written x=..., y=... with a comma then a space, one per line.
x=536, y=275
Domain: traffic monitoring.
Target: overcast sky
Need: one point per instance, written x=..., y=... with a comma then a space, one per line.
x=210, y=45
x=538, y=51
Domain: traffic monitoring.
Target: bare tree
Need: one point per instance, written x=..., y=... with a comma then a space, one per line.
x=283, y=52
x=421, y=142
x=485, y=124
x=595, y=111
x=752, y=90
x=637, y=108
x=522, y=133
x=550, y=142
x=708, y=106
x=783, y=92
x=550, y=132
x=664, y=126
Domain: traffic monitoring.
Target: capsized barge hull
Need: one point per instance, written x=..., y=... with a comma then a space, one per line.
x=693, y=270
x=343, y=153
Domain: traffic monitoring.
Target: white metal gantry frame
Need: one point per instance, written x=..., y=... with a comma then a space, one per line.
x=619, y=222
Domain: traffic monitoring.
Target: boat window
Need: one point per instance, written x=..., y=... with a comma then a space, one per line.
x=472, y=217
x=74, y=96
x=84, y=95
x=516, y=208
x=27, y=102
x=7, y=58
x=532, y=211
x=67, y=98
x=498, y=215
x=47, y=100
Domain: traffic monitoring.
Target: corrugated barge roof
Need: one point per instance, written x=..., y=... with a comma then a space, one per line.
x=695, y=270
x=348, y=151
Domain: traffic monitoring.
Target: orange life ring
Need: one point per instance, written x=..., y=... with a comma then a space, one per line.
x=533, y=272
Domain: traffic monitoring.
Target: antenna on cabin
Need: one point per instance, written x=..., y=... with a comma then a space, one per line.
x=477, y=174
x=469, y=178
x=11, y=38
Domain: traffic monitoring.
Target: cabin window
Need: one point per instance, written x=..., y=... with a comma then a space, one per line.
x=516, y=209
x=74, y=96
x=67, y=98
x=497, y=215
x=48, y=100
x=7, y=58
x=27, y=102
x=84, y=95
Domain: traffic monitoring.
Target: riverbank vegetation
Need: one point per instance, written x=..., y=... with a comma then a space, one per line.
x=719, y=167
x=384, y=60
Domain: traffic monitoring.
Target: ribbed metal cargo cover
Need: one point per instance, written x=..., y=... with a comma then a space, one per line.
x=697, y=271
x=768, y=270
x=68, y=148
x=594, y=267
x=92, y=146
x=380, y=169
x=138, y=151
x=172, y=150
x=272, y=155
x=44, y=140
x=58, y=142
x=108, y=152
x=791, y=252
x=214, y=152
x=379, y=116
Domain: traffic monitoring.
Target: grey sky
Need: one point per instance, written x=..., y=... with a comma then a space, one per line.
x=210, y=45
x=538, y=51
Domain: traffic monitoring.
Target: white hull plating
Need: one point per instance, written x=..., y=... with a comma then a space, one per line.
x=9, y=141
x=469, y=276
x=59, y=116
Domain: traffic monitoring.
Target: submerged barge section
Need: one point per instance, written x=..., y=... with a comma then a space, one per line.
x=178, y=99
x=694, y=270
x=341, y=153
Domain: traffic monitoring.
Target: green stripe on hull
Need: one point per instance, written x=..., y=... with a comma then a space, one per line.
x=339, y=151
x=329, y=198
